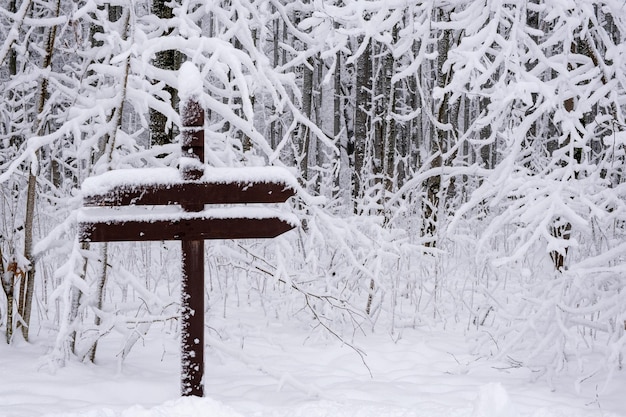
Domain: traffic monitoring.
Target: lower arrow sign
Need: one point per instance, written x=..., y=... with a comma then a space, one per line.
x=183, y=229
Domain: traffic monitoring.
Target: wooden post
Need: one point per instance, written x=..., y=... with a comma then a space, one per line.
x=192, y=286
x=192, y=318
x=200, y=185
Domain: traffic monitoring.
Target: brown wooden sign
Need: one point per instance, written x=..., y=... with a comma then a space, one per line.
x=113, y=213
x=165, y=187
x=190, y=192
x=194, y=228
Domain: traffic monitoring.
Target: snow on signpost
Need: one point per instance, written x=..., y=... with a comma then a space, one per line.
x=115, y=210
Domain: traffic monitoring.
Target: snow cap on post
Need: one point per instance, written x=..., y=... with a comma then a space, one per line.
x=189, y=82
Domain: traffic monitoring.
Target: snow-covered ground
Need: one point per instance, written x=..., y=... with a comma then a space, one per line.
x=261, y=369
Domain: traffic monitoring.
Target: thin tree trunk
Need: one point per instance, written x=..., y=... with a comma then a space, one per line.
x=102, y=278
x=7, y=286
x=439, y=144
x=389, y=161
x=77, y=296
x=28, y=289
x=379, y=127
x=389, y=153
x=114, y=14
x=361, y=119
x=343, y=172
x=337, y=97
x=319, y=120
x=167, y=60
x=100, y=285
x=275, y=124
x=15, y=140
x=6, y=278
x=307, y=106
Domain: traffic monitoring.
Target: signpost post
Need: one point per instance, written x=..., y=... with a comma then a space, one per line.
x=108, y=217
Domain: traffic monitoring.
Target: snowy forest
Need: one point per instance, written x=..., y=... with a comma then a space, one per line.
x=460, y=164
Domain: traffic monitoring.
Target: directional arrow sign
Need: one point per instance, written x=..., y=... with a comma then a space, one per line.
x=239, y=223
x=164, y=186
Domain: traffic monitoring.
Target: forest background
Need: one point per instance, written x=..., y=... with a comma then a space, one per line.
x=461, y=165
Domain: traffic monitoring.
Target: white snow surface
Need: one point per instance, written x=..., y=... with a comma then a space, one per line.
x=272, y=369
x=133, y=177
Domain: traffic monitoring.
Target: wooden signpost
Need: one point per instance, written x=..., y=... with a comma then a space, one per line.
x=113, y=213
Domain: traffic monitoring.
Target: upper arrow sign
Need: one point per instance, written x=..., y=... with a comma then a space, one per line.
x=164, y=186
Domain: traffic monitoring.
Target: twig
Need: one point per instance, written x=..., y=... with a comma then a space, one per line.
x=358, y=351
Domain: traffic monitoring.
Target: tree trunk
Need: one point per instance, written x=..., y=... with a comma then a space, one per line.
x=12, y=53
x=393, y=92
x=77, y=296
x=28, y=287
x=318, y=148
x=304, y=134
x=14, y=140
x=343, y=174
x=486, y=151
x=362, y=110
x=114, y=14
x=7, y=280
x=440, y=140
x=275, y=125
x=111, y=139
x=100, y=285
x=379, y=126
x=160, y=134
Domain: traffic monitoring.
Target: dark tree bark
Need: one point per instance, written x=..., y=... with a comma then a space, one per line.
x=307, y=106
x=393, y=92
x=439, y=144
x=337, y=112
x=168, y=60
x=363, y=104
